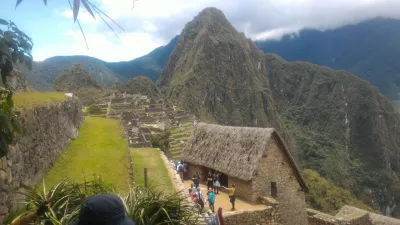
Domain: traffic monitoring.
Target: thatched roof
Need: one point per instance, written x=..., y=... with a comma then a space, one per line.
x=374, y=217
x=234, y=151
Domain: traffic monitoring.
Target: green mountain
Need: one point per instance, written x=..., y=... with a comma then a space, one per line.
x=369, y=49
x=76, y=79
x=139, y=85
x=149, y=65
x=334, y=122
x=43, y=74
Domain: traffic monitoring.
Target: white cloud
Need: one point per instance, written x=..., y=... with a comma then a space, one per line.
x=154, y=22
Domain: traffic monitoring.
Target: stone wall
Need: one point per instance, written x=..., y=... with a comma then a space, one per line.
x=275, y=167
x=268, y=216
x=49, y=129
x=319, y=218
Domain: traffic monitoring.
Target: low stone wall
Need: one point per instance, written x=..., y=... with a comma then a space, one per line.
x=319, y=218
x=49, y=129
x=268, y=216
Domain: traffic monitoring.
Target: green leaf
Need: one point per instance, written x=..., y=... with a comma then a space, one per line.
x=76, y=9
x=84, y=2
x=18, y=2
x=3, y=22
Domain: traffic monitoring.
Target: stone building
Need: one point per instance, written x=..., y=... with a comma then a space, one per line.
x=256, y=160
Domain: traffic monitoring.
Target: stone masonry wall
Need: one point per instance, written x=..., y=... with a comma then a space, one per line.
x=49, y=129
x=268, y=216
x=274, y=167
x=319, y=218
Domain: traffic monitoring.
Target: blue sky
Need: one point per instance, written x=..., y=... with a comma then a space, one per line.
x=153, y=23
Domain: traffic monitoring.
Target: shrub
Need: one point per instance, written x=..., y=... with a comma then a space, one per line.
x=94, y=109
x=160, y=140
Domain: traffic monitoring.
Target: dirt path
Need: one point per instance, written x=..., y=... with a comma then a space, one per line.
x=222, y=200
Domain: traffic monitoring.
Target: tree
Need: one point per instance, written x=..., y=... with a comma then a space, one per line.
x=160, y=140
x=15, y=46
x=94, y=109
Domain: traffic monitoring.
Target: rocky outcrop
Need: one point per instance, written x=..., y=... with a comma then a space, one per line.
x=17, y=81
x=48, y=130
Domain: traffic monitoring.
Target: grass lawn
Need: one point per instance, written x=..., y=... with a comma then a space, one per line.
x=99, y=149
x=156, y=172
x=32, y=99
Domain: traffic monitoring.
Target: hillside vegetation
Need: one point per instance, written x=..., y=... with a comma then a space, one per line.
x=139, y=85
x=333, y=122
x=369, y=49
x=43, y=74
x=100, y=149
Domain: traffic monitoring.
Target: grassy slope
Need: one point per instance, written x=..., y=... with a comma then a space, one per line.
x=100, y=149
x=157, y=173
x=32, y=99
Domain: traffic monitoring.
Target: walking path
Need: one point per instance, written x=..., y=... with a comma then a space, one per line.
x=222, y=200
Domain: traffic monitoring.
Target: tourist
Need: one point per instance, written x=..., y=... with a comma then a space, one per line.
x=216, y=182
x=209, y=180
x=231, y=193
x=110, y=207
x=211, y=199
x=191, y=193
x=195, y=181
x=200, y=199
x=197, y=204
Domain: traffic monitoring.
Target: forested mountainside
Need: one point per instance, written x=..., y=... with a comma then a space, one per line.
x=149, y=65
x=334, y=122
x=43, y=74
x=139, y=85
x=370, y=50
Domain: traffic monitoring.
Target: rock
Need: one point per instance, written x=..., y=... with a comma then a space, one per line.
x=9, y=176
x=3, y=175
x=3, y=209
x=4, y=162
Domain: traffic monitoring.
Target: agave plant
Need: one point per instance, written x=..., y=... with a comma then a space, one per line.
x=153, y=206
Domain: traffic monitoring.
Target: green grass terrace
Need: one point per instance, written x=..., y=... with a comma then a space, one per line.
x=100, y=149
x=157, y=172
x=34, y=99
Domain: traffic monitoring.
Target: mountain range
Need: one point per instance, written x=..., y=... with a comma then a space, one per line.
x=370, y=50
x=334, y=122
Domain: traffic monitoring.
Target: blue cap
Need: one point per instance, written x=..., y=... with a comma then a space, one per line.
x=103, y=209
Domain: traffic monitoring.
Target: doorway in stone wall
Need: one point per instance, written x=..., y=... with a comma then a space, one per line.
x=274, y=190
x=223, y=180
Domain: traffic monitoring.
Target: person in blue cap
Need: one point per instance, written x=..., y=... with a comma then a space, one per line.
x=103, y=209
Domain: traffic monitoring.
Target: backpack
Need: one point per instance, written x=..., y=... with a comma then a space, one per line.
x=180, y=168
x=186, y=166
x=201, y=201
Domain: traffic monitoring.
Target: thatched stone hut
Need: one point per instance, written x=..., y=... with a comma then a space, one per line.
x=256, y=160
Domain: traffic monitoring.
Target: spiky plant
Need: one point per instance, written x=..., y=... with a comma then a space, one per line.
x=153, y=206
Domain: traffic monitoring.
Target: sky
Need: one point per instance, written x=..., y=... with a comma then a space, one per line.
x=153, y=23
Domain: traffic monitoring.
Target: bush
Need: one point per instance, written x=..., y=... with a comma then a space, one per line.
x=160, y=140
x=94, y=109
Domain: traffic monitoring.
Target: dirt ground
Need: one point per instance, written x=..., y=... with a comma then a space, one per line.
x=222, y=200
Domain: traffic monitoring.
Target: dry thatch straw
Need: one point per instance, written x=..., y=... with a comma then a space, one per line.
x=234, y=151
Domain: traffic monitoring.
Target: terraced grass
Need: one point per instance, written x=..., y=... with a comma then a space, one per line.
x=33, y=99
x=100, y=149
x=157, y=173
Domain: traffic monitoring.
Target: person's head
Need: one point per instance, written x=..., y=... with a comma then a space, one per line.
x=209, y=173
x=210, y=190
x=195, y=195
x=198, y=189
x=190, y=190
x=103, y=209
